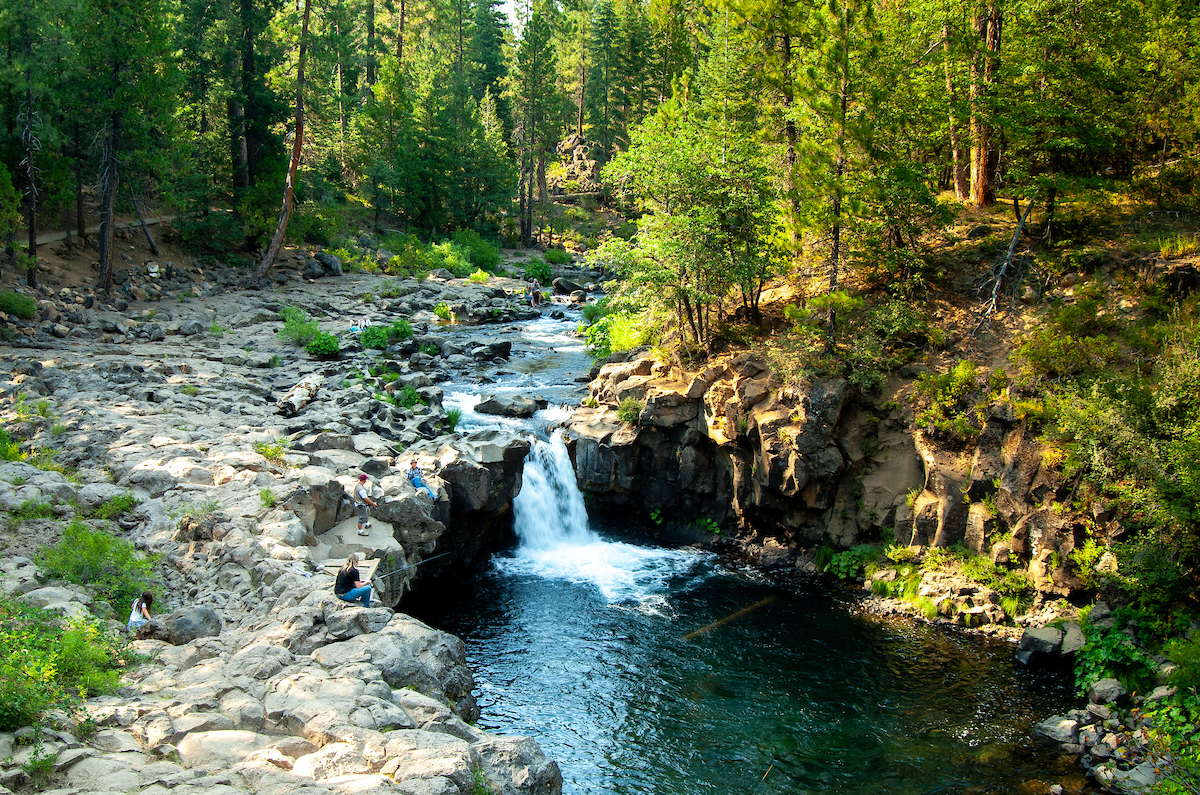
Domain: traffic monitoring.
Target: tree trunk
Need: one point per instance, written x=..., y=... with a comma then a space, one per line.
x=370, y=70
x=984, y=153
x=286, y=210
x=79, y=186
x=791, y=137
x=400, y=36
x=30, y=140
x=238, y=156
x=959, y=170
x=582, y=84
x=108, y=198
x=341, y=101
x=253, y=131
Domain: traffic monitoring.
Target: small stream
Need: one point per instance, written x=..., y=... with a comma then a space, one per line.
x=642, y=669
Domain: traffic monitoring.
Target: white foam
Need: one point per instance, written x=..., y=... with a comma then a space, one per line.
x=551, y=522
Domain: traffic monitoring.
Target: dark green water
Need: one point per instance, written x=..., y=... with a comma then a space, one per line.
x=799, y=690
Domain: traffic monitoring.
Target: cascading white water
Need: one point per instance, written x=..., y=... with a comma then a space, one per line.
x=551, y=523
x=549, y=512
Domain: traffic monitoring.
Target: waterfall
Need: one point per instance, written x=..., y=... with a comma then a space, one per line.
x=556, y=542
x=549, y=512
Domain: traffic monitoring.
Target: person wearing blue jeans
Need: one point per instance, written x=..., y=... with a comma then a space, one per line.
x=348, y=587
x=414, y=477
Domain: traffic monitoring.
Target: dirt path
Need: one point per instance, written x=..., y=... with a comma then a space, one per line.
x=54, y=237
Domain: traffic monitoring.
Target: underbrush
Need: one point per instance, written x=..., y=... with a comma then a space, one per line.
x=116, y=572
x=47, y=662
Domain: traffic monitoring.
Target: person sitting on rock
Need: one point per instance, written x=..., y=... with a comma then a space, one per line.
x=363, y=504
x=535, y=292
x=348, y=587
x=139, y=615
x=414, y=477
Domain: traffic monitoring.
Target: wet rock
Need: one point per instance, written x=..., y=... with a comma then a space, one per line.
x=507, y=406
x=1040, y=645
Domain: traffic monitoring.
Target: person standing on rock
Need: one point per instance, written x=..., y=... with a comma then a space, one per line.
x=139, y=615
x=414, y=477
x=348, y=587
x=363, y=504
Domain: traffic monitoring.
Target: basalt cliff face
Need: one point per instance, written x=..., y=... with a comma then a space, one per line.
x=782, y=468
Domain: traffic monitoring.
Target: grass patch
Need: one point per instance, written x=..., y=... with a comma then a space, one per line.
x=115, y=507
x=629, y=410
x=18, y=305
x=32, y=509
x=269, y=500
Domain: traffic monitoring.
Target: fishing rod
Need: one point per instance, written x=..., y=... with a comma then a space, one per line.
x=408, y=566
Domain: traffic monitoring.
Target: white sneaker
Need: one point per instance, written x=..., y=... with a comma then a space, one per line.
x=363, y=532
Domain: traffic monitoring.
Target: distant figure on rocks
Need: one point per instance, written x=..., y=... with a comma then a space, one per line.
x=535, y=292
x=139, y=615
x=363, y=504
x=348, y=587
x=414, y=477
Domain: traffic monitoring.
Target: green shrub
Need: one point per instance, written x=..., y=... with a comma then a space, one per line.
x=268, y=498
x=452, y=257
x=399, y=331
x=453, y=418
x=32, y=509
x=630, y=410
x=1051, y=354
x=850, y=563
x=191, y=390
x=272, y=451
x=297, y=328
x=947, y=403
x=557, y=256
x=479, y=277
x=45, y=661
x=9, y=450
x=116, y=506
x=593, y=312
x=110, y=565
x=619, y=331
x=482, y=253
x=21, y=306
x=324, y=344
x=442, y=310
x=408, y=397
x=374, y=337
x=540, y=270
x=1112, y=653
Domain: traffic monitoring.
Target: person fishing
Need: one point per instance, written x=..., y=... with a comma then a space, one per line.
x=139, y=614
x=348, y=587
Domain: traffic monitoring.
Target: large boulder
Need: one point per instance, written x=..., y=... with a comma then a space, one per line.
x=189, y=623
x=508, y=406
x=1040, y=645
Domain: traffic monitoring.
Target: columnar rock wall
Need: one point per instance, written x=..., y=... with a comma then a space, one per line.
x=787, y=467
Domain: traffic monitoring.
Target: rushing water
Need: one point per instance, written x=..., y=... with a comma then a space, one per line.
x=649, y=670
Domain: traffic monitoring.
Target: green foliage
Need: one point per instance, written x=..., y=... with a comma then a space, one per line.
x=539, y=269
x=217, y=330
x=272, y=451
x=18, y=305
x=617, y=331
x=442, y=310
x=630, y=410
x=1173, y=743
x=191, y=390
x=409, y=397
x=947, y=403
x=453, y=418
x=483, y=254
x=399, y=331
x=297, y=328
x=110, y=565
x=850, y=563
x=374, y=337
x=32, y=509
x=1112, y=653
x=268, y=498
x=557, y=256
x=479, y=277
x=46, y=662
x=115, y=507
x=1053, y=355
x=323, y=344
x=1085, y=558
x=40, y=767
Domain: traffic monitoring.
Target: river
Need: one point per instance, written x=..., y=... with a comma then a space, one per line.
x=643, y=669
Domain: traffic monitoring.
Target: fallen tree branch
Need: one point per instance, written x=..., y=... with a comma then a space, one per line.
x=1002, y=267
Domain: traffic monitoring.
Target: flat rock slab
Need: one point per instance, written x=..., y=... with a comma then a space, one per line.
x=219, y=748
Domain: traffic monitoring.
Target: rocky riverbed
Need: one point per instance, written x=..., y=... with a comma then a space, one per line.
x=258, y=679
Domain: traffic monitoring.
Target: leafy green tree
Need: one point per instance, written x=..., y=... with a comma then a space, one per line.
x=601, y=95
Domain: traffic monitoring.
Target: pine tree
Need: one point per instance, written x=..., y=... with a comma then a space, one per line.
x=535, y=105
